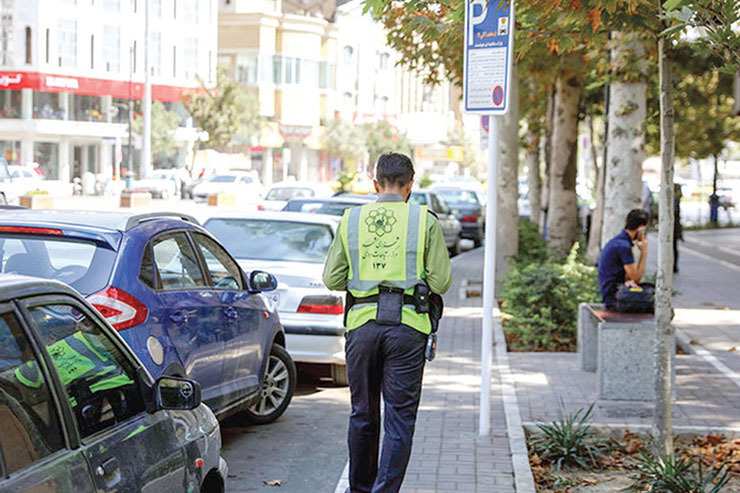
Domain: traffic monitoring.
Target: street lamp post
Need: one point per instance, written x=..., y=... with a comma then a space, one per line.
x=146, y=148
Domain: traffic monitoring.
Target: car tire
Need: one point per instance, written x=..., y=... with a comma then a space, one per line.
x=277, y=388
x=477, y=243
x=454, y=249
x=339, y=375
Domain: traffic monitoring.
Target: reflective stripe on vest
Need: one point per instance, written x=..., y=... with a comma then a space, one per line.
x=385, y=245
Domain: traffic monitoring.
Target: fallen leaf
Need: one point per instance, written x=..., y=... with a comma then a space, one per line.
x=732, y=349
x=274, y=482
x=693, y=342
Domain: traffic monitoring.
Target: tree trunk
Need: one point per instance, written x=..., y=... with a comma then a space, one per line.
x=597, y=217
x=736, y=107
x=547, y=151
x=507, y=235
x=534, y=179
x=664, y=338
x=625, y=141
x=562, y=216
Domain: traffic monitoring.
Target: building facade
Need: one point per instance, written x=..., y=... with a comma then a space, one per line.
x=285, y=51
x=68, y=69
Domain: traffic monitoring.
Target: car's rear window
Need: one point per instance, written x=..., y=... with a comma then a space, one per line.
x=84, y=265
x=286, y=193
x=222, y=179
x=261, y=239
x=455, y=196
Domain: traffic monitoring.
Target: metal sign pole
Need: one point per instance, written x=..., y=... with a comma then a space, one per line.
x=489, y=277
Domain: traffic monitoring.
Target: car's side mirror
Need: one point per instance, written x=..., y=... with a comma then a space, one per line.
x=260, y=281
x=180, y=394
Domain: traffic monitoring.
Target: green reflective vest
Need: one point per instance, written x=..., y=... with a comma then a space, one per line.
x=75, y=359
x=384, y=244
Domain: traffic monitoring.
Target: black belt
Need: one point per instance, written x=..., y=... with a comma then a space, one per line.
x=407, y=299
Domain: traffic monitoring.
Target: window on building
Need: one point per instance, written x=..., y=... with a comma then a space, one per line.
x=10, y=104
x=155, y=8
x=28, y=45
x=348, y=54
x=134, y=56
x=383, y=60
x=112, y=48
x=224, y=62
x=190, y=10
x=277, y=69
x=92, y=51
x=348, y=99
x=155, y=53
x=190, y=57
x=174, y=61
x=288, y=63
x=47, y=106
x=6, y=32
x=326, y=75
x=112, y=5
x=174, y=9
x=67, y=42
x=47, y=45
x=246, y=69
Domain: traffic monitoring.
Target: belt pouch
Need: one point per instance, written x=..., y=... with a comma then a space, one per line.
x=390, y=305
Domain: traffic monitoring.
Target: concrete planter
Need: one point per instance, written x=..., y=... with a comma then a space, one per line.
x=37, y=201
x=222, y=200
x=136, y=199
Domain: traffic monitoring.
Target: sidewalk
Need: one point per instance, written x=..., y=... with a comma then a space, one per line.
x=448, y=455
x=707, y=383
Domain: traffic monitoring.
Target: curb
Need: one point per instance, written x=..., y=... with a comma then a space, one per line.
x=523, y=479
x=618, y=429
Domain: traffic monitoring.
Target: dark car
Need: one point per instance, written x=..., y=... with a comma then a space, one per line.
x=80, y=413
x=450, y=225
x=468, y=209
x=172, y=291
x=333, y=206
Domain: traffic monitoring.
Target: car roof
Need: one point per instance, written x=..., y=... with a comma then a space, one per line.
x=300, y=217
x=334, y=200
x=108, y=221
x=14, y=286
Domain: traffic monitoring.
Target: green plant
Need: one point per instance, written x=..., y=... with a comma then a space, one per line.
x=569, y=441
x=682, y=475
x=541, y=300
x=426, y=181
x=345, y=179
x=532, y=246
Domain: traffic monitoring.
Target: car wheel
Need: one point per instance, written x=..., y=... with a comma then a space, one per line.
x=454, y=249
x=277, y=388
x=477, y=242
x=339, y=375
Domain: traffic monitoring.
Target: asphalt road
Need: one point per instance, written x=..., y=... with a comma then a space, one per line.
x=305, y=450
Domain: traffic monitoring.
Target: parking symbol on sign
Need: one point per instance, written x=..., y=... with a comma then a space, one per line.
x=498, y=95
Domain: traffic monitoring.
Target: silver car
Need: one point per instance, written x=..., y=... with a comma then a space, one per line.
x=293, y=247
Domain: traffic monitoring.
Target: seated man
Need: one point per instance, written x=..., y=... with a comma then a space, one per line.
x=616, y=264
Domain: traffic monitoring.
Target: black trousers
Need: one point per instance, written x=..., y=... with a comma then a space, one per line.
x=387, y=359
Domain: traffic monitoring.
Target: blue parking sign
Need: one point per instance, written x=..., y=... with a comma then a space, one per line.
x=489, y=41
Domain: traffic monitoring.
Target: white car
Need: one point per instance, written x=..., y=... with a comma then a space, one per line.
x=280, y=193
x=164, y=183
x=245, y=185
x=25, y=179
x=293, y=247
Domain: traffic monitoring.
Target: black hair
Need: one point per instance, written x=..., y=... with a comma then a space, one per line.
x=635, y=219
x=394, y=170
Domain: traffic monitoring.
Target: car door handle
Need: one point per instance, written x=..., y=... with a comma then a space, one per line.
x=230, y=313
x=178, y=317
x=107, y=468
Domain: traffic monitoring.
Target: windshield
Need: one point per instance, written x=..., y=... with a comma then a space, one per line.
x=83, y=265
x=457, y=196
x=284, y=193
x=264, y=239
x=222, y=179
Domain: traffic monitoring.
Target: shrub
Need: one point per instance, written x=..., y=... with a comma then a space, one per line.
x=541, y=299
x=532, y=247
x=570, y=442
x=678, y=475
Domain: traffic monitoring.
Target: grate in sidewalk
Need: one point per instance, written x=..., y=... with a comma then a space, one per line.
x=471, y=288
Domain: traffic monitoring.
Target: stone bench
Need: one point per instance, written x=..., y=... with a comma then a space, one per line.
x=619, y=347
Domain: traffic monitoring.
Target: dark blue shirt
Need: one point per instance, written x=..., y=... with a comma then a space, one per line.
x=616, y=254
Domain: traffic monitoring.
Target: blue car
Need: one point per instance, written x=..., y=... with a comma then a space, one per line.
x=175, y=295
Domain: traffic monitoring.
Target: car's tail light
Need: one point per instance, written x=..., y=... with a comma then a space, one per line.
x=32, y=231
x=122, y=310
x=469, y=219
x=260, y=207
x=325, y=305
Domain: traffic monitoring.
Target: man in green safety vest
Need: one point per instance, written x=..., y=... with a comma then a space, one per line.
x=391, y=258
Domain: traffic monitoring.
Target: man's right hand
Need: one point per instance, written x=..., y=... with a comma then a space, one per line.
x=642, y=241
